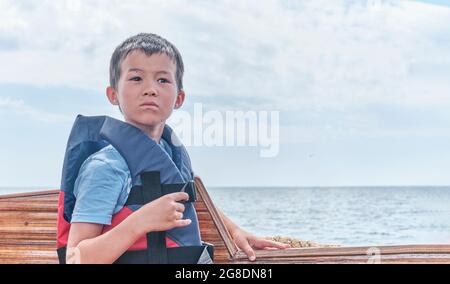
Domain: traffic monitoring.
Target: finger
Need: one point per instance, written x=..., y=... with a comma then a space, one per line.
x=270, y=244
x=179, y=207
x=73, y=255
x=182, y=223
x=249, y=252
x=270, y=248
x=180, y=196
x=178, y=215
x=275, y=244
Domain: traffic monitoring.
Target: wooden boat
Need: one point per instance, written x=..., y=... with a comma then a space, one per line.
x=28, y=234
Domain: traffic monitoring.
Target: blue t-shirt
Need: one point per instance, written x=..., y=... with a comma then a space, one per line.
x=102, y=186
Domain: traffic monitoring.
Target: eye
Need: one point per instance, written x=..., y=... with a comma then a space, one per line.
x=163, y=80
x=137, y=79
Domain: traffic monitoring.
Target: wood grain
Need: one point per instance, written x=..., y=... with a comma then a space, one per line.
x=28, y=235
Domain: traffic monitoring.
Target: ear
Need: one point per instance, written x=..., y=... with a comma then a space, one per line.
x=180, y=99
x=112, y=96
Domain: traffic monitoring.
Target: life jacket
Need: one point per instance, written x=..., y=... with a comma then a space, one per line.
x=153, y=174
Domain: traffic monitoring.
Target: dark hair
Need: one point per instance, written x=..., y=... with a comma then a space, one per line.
x=150, y=44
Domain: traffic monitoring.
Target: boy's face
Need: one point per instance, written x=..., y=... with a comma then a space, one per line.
x=147, y=91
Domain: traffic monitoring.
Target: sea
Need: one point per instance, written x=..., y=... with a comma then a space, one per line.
x=344, y=216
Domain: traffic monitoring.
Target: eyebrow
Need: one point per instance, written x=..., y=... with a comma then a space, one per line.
x=135, y=70
x=142, y=71
x=163, y=72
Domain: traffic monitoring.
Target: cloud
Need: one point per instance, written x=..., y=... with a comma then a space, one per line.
x=19, y=107
x=26, y=104
x=329, y=62
x=437, y=2
x=290, y=53
x=345, y=75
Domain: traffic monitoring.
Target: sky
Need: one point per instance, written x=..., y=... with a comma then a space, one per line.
x=362, y=87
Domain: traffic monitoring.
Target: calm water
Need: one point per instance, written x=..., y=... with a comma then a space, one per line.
x=343, y=216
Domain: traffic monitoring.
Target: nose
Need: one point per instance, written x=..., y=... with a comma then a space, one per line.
x=150, y=90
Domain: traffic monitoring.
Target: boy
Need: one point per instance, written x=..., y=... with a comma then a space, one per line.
x=146, y=83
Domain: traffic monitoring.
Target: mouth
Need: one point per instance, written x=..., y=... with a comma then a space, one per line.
x=150, y=105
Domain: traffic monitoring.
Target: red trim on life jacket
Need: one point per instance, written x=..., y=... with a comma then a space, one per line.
x=141, y=243
x=64, y=227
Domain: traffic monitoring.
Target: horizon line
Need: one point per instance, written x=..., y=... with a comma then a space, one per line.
x=255, y=186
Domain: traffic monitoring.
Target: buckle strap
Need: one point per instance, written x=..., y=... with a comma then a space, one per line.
x=177, y=255
x=156, y=241
x=135, y=196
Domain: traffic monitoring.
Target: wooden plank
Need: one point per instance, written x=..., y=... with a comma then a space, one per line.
x=7, y=216
x=30, y=201
x=39, y=194
x=34, y=261
x=24, y=242
x=388, y=254
x=350, y=251
x=29, y=208
x=28, y=235
x=348, y=260
x=223, y=231
x=27, y=247
x=31, y=233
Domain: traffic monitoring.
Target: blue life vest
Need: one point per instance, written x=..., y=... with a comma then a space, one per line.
x=153, y=174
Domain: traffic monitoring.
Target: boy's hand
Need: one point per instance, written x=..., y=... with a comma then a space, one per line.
x=248, y=242
x=163, y=214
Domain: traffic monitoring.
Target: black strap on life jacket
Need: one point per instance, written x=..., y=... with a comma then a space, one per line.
x=157, y=252
x=156, y=241
x=178, y=255
x=135, y=195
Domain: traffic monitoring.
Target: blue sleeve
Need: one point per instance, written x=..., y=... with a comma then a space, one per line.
x=97, y=190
